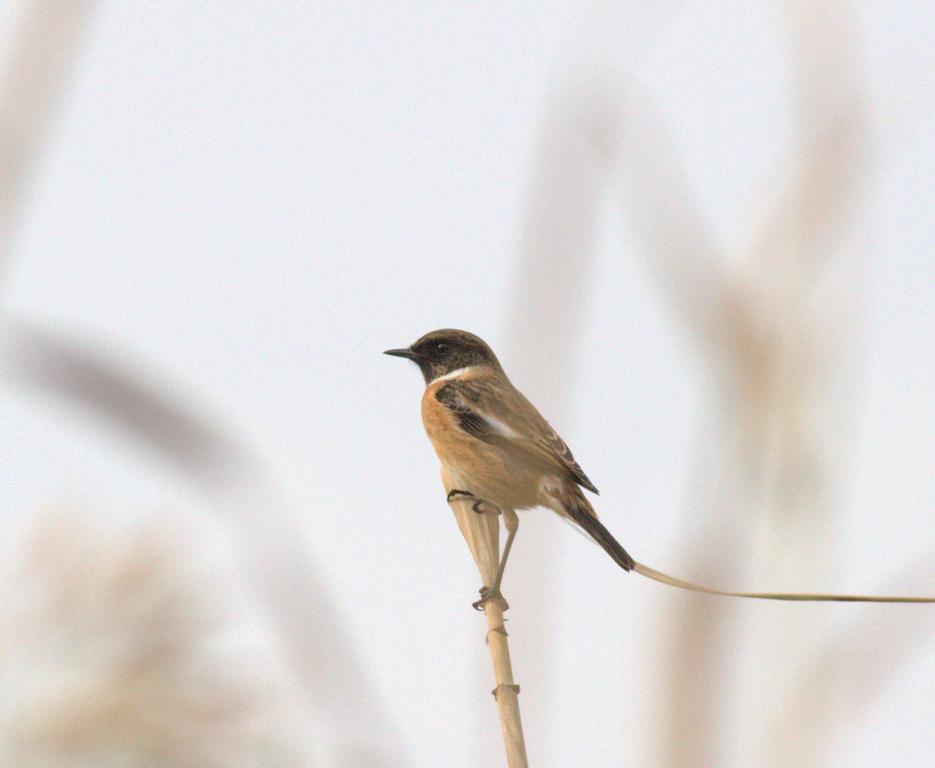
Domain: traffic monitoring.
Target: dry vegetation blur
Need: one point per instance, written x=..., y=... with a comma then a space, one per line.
x=116, y=642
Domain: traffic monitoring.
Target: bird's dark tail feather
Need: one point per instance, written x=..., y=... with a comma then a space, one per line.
x=585, y=517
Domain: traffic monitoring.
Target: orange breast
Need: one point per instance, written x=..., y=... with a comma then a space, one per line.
x=440, y=423
x=489, y=471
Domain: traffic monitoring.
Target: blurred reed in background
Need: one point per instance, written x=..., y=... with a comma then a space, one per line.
x=133, y=646
x=775, y=322
x=111, y=646
x=122, y=648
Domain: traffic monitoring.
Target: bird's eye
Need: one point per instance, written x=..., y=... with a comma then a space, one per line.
x=441, y=348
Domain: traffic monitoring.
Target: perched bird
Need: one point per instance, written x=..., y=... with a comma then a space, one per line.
x=490, y=437
x=495, y=442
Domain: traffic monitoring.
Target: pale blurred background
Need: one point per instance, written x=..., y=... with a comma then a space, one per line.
x=700, y=237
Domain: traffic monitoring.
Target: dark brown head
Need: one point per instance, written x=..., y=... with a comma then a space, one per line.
x=441, y=352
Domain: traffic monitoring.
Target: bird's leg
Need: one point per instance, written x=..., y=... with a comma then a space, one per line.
x=511, y=521
x=454, y=493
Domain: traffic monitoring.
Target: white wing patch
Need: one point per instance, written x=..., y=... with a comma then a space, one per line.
x=503, y=429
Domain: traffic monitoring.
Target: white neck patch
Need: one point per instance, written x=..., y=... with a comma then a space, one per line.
x=453, y=374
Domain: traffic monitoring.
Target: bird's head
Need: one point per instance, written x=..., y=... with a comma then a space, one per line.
x=441, y=352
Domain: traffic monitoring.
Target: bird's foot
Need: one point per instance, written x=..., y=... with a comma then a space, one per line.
x=486, y=595
x=477, y=506
x=454, y=493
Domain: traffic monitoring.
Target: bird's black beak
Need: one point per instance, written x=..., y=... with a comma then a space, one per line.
x=407, y=353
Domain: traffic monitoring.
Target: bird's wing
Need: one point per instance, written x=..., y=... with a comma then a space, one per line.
x=457, y=398
x=496, y=412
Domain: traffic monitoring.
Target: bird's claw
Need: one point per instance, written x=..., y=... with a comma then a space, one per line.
x=454, y=493
x=476, y=507
x=486, y=595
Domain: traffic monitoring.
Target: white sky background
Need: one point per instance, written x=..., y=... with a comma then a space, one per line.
x=254, y=203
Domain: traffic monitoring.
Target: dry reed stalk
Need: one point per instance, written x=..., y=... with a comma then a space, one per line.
x=481, y=531
x=35, y=70
x=269, y=533
x=121, y=646
x=756, y=322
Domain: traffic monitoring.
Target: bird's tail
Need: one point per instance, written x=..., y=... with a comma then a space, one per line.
x=579, y=510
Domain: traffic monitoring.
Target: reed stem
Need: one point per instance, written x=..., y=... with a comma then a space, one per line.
x=481, y=531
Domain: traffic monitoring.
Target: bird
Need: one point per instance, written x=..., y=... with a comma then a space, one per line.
x=490, y=437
